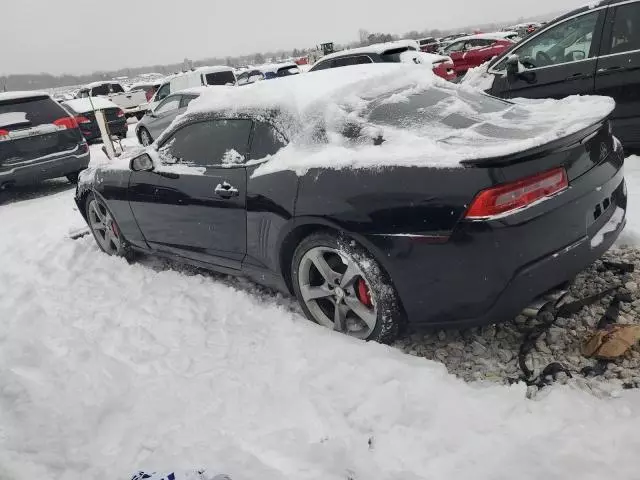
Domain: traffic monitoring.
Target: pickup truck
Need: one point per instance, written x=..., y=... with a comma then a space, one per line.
x=134, y=104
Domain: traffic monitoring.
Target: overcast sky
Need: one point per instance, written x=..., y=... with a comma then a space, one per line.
x=80, y=36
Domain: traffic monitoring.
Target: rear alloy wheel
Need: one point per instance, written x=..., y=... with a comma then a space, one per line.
x=145, y=137
x=342, y=287
x=104, y=228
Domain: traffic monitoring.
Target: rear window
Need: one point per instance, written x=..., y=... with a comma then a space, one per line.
x=100, y=90
x=453, y=108
x=220, y=78
x=427, y=41
x=393, y=55
x=29, y=112
x=286, y=71
x=117, y=88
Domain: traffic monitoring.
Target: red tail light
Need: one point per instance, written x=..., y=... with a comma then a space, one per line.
x=82, y=120
x=120, y=113
x=66, y=122
x=4, y=133
x=149, y=94
x=512, y=196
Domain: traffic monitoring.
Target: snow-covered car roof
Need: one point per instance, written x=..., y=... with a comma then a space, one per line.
x=150, y=83
x=214, y=69
x=195, y=90
x=487, y=36
x=378, y=48
x=17, y=95
x=98, y=84
x=274, y=67
x=81, y=105
x=423, y=119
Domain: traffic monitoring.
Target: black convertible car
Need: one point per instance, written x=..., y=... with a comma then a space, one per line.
x=377, y=198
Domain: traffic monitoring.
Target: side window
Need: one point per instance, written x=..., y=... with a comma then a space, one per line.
x=82, y=94
x=100, y=90
x=567, y=42
x=117, y=88
x=168, y=105
x=186, y=100
x=163, y=92
x=266, y=141
x=214, y=142
x=626, y=29
x=455, y=47
x=321, y=65
x=346, y=61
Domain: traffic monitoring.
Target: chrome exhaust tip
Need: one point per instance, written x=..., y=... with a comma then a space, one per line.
x=549, y=300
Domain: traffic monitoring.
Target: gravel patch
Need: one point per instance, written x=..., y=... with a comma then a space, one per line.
x=491, y=353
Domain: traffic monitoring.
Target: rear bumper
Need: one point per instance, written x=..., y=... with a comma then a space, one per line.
x=44, y=169
x=488, y=272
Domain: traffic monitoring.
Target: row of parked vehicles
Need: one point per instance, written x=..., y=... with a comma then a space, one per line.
x=592, y=50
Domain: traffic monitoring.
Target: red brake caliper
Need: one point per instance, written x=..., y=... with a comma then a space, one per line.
x=363, y=294
x=114, y=228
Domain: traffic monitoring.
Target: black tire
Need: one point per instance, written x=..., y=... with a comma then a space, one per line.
x=388, y=312
x=73, y=177
x=122, y=249
x=141, y=133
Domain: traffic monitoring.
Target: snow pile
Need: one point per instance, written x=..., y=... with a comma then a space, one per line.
x=332, y=118
x=478, y=78
x=108, y=368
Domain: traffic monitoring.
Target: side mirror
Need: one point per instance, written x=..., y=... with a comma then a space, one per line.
x=142, y=163
x=513, y=65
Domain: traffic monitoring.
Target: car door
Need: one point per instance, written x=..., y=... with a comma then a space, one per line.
x=557, y=62
x=164, y=114
x=194, y=204
x=618, y=70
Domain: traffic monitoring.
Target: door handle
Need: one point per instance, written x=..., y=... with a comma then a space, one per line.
x=226, y=190
x=606, y=70
x=577, y=76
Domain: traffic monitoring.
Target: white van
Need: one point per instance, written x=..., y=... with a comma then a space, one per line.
x=207, y=76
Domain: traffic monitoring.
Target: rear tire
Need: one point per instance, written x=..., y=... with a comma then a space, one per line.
x=342, y=286
x=145, y=137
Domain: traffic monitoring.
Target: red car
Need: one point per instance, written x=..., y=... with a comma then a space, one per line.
x=474, y=50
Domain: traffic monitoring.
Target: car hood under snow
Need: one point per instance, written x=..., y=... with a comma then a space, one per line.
x=375, y=116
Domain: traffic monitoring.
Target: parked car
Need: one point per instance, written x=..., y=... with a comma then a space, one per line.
x=444, y=41
x=202, y=76
x=366, y=249
x=38, y=140
x=429, y=45
x=132, y=103
x=268, y=72
x=83, y=109
x=402, y=51
x=149, y=88
x=157, y=120
x=474, y=50
x=591, y=50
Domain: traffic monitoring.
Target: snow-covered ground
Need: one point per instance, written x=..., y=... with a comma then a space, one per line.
x=108, y=367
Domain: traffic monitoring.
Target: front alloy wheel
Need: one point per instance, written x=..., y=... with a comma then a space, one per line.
x=145, y=137
x=342, y=287
x=104, y=228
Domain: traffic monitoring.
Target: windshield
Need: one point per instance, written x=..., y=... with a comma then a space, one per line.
x=29, y=112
